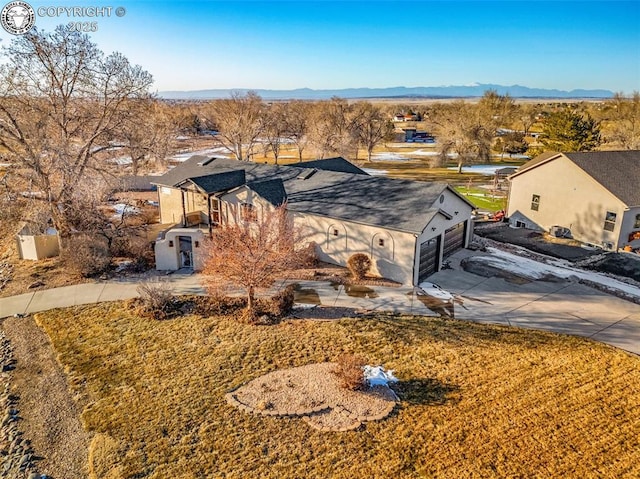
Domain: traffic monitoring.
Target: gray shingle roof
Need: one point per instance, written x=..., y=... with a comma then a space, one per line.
x=217, y=182
x=271, y=190
x=337, y=164
x=390, y=203
x=617, y=171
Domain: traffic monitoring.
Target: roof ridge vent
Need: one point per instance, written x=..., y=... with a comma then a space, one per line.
x=306, y=174
x=205, y=161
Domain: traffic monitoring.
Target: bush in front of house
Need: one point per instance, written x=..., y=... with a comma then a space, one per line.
x=350, y=372
x=359, y=265
x=156, y=299
x=86, y=255
x=282, y=302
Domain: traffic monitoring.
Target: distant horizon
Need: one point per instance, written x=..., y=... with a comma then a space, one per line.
x=475, y=90
x=329, y=45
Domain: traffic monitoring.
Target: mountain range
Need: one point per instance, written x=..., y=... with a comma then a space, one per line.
x=461, y=91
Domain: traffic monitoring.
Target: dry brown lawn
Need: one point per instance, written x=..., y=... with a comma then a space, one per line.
x=476, y=400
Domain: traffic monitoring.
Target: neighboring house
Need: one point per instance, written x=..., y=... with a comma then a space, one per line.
x=596, y=195
x=412, y=135
x=406, y=227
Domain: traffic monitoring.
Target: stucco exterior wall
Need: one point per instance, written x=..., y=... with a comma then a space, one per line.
x=36, y=247
x=170, y=203
x=568, y=197
x=230, y=204
x=167, y=249
x=391, y=258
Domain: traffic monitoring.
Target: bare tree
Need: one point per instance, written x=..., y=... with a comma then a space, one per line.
x=274, y=128
x=460, y=133
x=62, y=103
x=147, y=133
x=252, y=253
x=371, y=126
x=239, y=123
x=333, y=128
x=297, y=115
x=624, y=127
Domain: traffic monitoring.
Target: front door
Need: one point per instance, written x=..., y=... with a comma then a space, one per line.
x=185, y=252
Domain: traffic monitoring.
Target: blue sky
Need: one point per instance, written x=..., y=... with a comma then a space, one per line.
x=330, y=44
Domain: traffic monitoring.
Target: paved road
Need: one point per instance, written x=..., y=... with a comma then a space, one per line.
x=564, y=306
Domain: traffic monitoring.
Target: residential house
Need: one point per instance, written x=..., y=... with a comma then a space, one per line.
x=595, y=195
x=406, y=227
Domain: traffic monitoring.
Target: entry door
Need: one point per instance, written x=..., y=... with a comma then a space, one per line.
x=429, y=253
x=185, y=252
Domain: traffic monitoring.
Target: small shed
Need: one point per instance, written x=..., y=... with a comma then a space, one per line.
x=36, y=246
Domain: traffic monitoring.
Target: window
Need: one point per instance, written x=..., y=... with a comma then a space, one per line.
x=381, y=242
x=215, y=210
x=248, y=212
x=609, y=221
x=535, y=202
x=521, y=224
x=335, y=232
x=637, y=223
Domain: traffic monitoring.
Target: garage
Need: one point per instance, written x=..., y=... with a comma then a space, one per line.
x=429, y=253
x=454, y=239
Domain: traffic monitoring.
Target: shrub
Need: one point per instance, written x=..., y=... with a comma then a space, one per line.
x=156, y=299
x=216, y=304
x=282, y=302
x=138, y=248
x=359, y=265
x=309, y=256
x=86, y=255
x=349, y=369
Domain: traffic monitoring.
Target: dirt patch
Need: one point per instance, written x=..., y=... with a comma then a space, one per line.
x=50, y=416
x=313, y=393
x=620, y=264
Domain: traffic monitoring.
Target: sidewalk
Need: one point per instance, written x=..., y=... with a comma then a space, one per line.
x=563, y=306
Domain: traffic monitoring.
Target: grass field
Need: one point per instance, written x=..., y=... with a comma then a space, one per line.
x=483, y=199
x=476, y=401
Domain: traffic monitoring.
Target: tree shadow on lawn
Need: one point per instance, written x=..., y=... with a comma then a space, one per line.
x=426, y=391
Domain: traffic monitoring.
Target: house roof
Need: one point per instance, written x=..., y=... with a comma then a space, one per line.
x=338, y=164
x=217, y=182
x=390, y=203
x=271, y=190
x=617, y=171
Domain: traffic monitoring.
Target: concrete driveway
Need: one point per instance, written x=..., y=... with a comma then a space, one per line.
x=562, y=306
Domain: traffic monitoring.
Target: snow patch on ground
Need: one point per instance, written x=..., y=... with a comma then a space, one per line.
x=219, y=151
x=434, y=291
x=122, y=209
x=389, y=156
x=534, y=270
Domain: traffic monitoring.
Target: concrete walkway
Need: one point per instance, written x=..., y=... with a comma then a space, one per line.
x=563, y=306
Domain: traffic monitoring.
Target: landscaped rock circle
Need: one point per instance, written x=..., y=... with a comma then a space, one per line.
x=313, y=393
